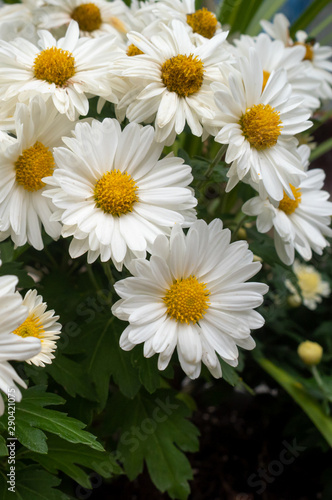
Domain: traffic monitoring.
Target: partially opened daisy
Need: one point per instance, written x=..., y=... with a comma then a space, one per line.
x=300, y=224
x=259, y=127
x=12, y=313
x=313, y=287
x=24, y=161
x=40, y=324
x=175, y=76
x=114, y=194
x=65, y=70
x=192, y=296
x=94, y=18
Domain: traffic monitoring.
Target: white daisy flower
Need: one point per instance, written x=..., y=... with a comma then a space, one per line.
x=273, y=55
x=310, y=282
x=176, y=76
x=315, y=55
x=24, y=161
x=114, y=194
x=12, y=313
x=16, y=20
x=200, y=23
x=40, y=324
x=191, y=296
x=259, y=126
x=64, y=70
x=300, y=223
x=95, y=19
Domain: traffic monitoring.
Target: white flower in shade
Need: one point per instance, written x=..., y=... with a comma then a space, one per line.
x=40, y=324
x=315, y=55
x=273, y=55
x=310, y=282
x=200, y=23
x=94, y=18
x=192, y=296
x=175, y=76
x=12, y=313
x=16, y=20
x=114, y=194
x=24, y=161
x=300, y=223
x=259, y=127
x=64, y=70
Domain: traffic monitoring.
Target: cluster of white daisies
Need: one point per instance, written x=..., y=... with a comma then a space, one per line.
x=165, y=67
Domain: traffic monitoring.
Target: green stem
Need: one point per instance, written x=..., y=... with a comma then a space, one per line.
x=239, y=225
x=213, y=163
x=108, y=272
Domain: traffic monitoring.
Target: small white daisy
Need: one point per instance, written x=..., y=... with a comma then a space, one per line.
x=191, y=295
x=65, y=70
x=24, y=161
x=95, y=18
x=316, y=56
x=114, y=194
x=274, y=55
x=175, y=76
x=313, y=288
x=301, y=223
x=12, y=313
x=259, y=127
x=40, y=324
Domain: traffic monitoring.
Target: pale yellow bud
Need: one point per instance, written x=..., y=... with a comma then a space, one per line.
x=310, y=352
x=294, y=300
x=242, y=234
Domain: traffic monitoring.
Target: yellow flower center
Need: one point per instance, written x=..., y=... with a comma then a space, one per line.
x=203, y=22
x=187, y=300
x=309, y=53
x=31, y=327
x=266, y=76
x=261, y=126
x=32, y=165
x=115, y=193
x=54, y=66
x=288, y=205
x=308, y=283
x=132, y=50
x=88, y=17
x=183, y=74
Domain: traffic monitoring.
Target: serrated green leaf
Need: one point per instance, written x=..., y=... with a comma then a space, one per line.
x=155, y=429
x=32, y=484
x=69, y=458
x=149, y=375
x=71, y=376
x=31, y=415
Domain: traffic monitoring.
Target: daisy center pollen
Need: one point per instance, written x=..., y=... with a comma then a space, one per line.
x=54, y=66
x=115, y=193
x=31, y=327
x=183, y=74
x=203, y=22
x=132, y=50
x=32, y=165
x=187, y=300
x=309, y=53
x=261, y=126
x=288, y=205
x=87, y=16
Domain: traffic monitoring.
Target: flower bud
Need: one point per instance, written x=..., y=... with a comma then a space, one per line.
x=310, y=352
x=294, y=300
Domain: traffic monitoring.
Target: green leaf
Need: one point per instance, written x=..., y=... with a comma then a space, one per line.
x=32, y=484
x=32, y=418
x=105, y=358
x=155, y=429
x=308, y=15
x=71, y=375
x=295, y=389
x=266, y=11
x=229, y=374
x=149, y=375
x=3, y=447
x=69, y=458
x=15, y=268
